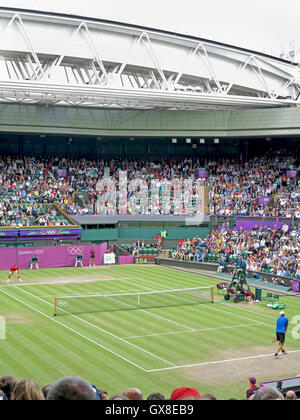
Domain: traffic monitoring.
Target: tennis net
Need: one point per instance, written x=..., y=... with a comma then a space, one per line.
x=125, y=301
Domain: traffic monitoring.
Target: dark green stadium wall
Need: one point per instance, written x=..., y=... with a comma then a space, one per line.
x=96, y=122
x=92, y=235
x=141, y=148
x=72, y=132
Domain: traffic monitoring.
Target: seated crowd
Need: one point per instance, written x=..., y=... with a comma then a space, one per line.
x=235, y=187
x=24, y=215
x=275, y=251
x=75, y=388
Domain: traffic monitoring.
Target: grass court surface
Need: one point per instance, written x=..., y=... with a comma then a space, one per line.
x=213, y=347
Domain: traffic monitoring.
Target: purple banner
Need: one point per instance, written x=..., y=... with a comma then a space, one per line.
x=201, y=173
x=126, y=259
x=249, y=225
x=37, y=234
x=8, y=233
x=263, y=201
x=50, y=232
x=51, y=256
x=296, y=286
x=292, y=174
x=62, y=173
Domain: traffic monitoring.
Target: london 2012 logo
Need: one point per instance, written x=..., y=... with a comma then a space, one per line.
x=75, y=250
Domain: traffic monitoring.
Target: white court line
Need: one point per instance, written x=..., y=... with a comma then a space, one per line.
x=237, y=315
x=160, y=369
x=192, y=331
x=72, y=330
x=260, y=356
x=155, y=315
x=92, y=293
x=90, y=281
x=104, y=331
x=55, y=283
x=221, y=361
x=251, y=312
x=129, y=282
x=227, y=304
x=212, y=307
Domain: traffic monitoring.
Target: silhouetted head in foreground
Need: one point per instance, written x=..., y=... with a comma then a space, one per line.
x=133, y=394
x=72, y=389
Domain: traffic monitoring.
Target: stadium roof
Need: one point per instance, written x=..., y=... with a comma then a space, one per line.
x=144, y=28
x=107, y=64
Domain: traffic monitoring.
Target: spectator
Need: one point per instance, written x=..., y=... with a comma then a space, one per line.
x=268, y=394
x=7, y=385
x=185, y=393
x=156, y=396
x=134, y=394
x=118, y=398
x=27, y=390
x=291, y=395
x=222, y=265
x=72, y=389
x=253, y=387
x=46, y=389
x=103, y=394
x=208, y=397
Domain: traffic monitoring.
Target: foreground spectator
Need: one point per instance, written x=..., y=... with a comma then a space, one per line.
x=103, y=394
x=27, y=390
x=46, y=389
x=134, y=394
x=72, y=389
x=7, y=385
x=75, y=388
x=208, y=397
x=118, y=398
x=291, y=396
x=185, y=393
x=253, y=387
x=267, y=394
x=156, y=396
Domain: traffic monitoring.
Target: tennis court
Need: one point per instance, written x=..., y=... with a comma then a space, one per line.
x=150, y=345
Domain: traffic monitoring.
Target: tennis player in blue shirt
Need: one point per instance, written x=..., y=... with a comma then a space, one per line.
x=281, y=330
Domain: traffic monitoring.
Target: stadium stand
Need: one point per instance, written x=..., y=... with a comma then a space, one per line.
x=236, y=187
x=267, y=251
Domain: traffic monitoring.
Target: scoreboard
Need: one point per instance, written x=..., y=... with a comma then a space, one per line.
x=144, y=260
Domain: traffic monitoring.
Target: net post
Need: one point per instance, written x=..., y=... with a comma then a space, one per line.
x=212, y=295
x=55, y=306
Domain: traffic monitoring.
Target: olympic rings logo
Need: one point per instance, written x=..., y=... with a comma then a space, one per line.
x=75, y=250
x=63, y=303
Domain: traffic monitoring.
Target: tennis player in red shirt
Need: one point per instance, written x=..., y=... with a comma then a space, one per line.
x=14, y=271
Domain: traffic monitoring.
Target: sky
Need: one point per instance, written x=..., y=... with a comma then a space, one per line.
x=269, y=26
